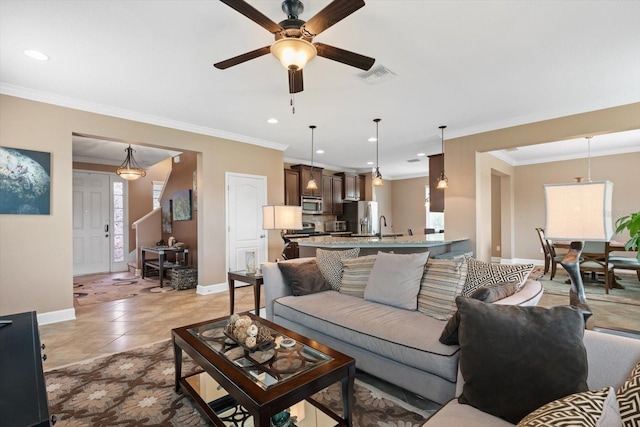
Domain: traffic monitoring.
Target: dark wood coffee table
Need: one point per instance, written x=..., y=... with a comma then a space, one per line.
x=262, y=383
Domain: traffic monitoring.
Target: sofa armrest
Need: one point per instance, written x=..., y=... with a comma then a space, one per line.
x=274, y=283
x=529, y=295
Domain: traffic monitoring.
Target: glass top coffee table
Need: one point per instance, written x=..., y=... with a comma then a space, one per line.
x=264, y=382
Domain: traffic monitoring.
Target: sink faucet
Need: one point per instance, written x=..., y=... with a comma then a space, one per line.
x=380, y=221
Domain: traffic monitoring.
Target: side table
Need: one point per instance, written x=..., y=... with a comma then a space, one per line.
x=253, y=279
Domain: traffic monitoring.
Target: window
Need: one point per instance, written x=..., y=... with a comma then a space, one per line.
x=118, y=221
x=157, y=192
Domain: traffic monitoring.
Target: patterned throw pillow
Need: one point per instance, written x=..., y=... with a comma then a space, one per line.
x=355, y=275
x=586, y=409
x=441, y=283
x=629, y=399
x=480, y=274
x=330, y=264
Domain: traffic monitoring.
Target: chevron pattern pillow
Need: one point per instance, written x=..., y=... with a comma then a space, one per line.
x=629, y=399
x=481, y=274
x=587, y=409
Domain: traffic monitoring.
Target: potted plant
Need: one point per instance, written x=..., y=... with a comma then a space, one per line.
x=631, y=223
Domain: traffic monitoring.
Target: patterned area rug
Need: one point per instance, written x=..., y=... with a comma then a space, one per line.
x=135, y=388
x=97, y=288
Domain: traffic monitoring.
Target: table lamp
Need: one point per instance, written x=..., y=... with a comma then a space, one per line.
x=282, y=218
x=578, y=212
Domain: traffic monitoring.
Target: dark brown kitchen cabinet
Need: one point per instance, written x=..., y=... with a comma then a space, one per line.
x=351, y=186
x=436, y=195
x=305, y=177
x=361, y=187
x=291, y=187
x=332, y=195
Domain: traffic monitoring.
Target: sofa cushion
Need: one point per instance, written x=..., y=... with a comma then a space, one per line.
x=481, y=273
x=408, y=337
x=303, y=278
x=330, y=264
x=495, y=291
x=355, y=275
x=515, y=359
x=587, y=409
x=395, y=279
x=629, y=399
x=441, y=283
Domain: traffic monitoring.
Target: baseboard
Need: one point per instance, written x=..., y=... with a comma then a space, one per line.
x=56, y=316
x=211, y=289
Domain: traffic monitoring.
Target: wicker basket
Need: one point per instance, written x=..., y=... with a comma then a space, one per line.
x=184, y=278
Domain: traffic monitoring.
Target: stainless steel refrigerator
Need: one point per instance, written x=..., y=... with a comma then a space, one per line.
x=361, y=217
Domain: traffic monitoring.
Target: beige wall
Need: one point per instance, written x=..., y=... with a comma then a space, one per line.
x=460, y=162
x=36, y=251
x=408, y=205
x=621, y=169
x=384, y=196
x=496, y=225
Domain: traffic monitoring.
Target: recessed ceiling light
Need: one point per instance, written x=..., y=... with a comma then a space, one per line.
x=272, y=121
x=319, y=151
x=369, y=163
x=372, y=139
x=34, y=54
x=420, y=154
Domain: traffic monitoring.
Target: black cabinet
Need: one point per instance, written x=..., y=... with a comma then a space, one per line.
x=23, y=396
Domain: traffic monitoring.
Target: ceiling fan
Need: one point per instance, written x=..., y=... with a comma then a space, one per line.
x=293, y=45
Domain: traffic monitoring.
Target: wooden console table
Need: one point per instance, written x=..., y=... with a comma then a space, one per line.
x=161, y=263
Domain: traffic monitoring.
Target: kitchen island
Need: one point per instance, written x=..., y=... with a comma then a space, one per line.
x=437, y=244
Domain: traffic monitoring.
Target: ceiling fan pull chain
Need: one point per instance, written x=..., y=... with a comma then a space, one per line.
x=293, y=107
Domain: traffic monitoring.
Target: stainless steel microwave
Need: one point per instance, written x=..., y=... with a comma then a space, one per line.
x=311, y=205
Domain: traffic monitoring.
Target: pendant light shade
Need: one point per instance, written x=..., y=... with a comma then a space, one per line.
x=443, y=181
x=130, y=169
x=376, y=177
x=312, y=184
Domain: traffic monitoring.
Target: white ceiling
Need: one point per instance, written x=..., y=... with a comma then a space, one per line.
x=471, y=65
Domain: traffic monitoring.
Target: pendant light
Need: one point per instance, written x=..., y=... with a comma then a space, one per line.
x=443, y=181
x=589, y=158
x=376, y=177
x=312, y=184
x=130, y=169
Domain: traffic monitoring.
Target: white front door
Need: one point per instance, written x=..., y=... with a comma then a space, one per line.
x=91, y=223
x=246, y=194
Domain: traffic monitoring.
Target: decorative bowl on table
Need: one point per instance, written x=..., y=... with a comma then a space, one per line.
x=249, y=334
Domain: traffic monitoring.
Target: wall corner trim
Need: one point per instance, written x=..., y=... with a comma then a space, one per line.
x=211, y=289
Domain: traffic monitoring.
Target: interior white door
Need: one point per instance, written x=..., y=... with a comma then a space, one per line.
x=246, y=194
x=91, y=224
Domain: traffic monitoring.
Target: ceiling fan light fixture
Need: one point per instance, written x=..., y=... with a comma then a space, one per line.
x=130, y=169
x=293, y=53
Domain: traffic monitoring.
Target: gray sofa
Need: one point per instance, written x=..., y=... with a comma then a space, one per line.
x=610, y=359
x=399, y=346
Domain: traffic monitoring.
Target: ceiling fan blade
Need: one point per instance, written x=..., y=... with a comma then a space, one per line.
x=252, y=13
x=295, y=81
x=333, y=13
x=344, y=56
x=222, y=65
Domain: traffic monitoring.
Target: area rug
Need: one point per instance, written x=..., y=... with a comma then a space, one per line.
x=135, y=388
x=97, y=288
x=594, y=289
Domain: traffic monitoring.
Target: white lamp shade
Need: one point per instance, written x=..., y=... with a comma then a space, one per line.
x=578, y=211
x=282, y=217
x=293, y=52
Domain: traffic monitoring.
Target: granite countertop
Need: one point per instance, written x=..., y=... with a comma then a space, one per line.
x=401, y=241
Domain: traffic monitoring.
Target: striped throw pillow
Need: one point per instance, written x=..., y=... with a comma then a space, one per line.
x=355, y=274
x=441, y=283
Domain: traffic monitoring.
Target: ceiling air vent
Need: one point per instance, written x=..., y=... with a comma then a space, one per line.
x=377, y=74
x=413, y=160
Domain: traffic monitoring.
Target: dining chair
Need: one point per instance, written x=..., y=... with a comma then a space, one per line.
x=545, y=249
x=596, y=260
